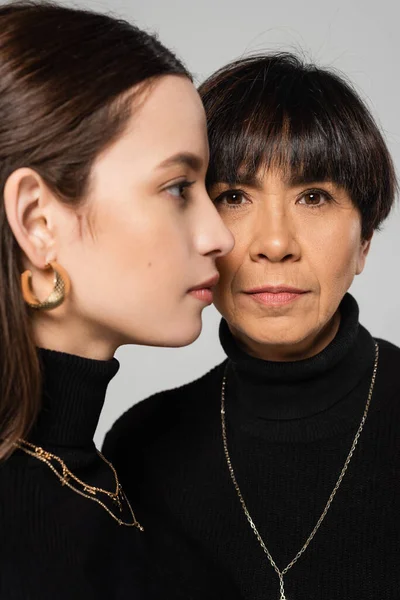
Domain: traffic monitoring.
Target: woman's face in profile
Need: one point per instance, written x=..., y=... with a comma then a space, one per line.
x=297, y=250
x=148, y=233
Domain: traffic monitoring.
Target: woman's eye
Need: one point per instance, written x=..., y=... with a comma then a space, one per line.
x=313, y=199
x=233, y=198
x=179, y=189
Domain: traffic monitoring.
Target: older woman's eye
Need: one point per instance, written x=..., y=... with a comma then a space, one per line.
x=314, y=198
x=231, y=198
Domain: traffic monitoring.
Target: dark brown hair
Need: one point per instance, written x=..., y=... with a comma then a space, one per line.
x=65, y=78
x=275, y=110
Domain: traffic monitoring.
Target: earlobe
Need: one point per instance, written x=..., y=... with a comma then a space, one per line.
x=364, y=250
x=24, y=209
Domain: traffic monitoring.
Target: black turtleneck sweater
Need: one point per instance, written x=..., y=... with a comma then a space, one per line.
x=55, y=544
x=290, y=427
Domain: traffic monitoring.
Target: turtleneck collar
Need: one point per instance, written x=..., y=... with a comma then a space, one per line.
x=74, y=390
x=283, y=391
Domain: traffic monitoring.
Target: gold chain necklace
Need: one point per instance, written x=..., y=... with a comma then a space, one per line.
x=89, y=491
x=282, y=573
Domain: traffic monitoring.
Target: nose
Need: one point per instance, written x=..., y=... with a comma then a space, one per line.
x=274, y=238
x=212, y=236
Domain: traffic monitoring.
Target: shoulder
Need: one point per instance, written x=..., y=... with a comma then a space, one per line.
x=388, y=377
x=389, y=355
x=390, y=350
x=161, y=413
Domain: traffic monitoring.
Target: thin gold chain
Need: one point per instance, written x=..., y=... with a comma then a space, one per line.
x=89, y=491
x=23, y=444
x=282, y=573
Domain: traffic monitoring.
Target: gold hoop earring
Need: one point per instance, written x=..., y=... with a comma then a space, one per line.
x=60, y=290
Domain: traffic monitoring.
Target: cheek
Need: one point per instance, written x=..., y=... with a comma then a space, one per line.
x=144, y=252
x=129, y=253
x=333, y=254
x=230, y=268
x=231, y=263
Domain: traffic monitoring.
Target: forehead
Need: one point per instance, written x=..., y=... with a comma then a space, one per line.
x=169, y=120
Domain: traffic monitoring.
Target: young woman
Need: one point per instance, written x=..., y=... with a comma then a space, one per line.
x=108, y=237
x=280, y=466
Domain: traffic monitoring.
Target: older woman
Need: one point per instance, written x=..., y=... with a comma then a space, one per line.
x=277, y=473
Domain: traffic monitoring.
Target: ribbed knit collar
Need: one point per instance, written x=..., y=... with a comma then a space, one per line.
x=291, y=391
x=74, y=390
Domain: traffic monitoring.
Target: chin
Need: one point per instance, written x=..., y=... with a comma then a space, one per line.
x=179, y=335
x=181, y=341
x=184, y=331
x=274, y=334
x=188, y=335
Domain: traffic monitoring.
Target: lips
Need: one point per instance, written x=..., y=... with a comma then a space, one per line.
x=271, y=289
x=275, y=296
x=203, y=291
x=209, y=283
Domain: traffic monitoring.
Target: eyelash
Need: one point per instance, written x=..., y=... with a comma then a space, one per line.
x=182, y=186
x=328, y=198
x=233, y=192
x=237, y=192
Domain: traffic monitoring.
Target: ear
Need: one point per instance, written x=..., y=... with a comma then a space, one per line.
x=25, y=198
x=363, y=253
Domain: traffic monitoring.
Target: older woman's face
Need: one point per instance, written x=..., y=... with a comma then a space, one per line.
x=298, y=248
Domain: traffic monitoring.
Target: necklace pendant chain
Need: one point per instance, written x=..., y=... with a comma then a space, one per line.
x=331, y=497
x=281, y=587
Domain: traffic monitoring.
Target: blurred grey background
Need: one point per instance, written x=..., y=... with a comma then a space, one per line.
x=358, y=37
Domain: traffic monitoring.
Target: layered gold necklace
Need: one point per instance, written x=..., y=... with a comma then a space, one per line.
x=91, y=492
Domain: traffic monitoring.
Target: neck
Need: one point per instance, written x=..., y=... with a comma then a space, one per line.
x=55, y=331
x=73, y=393
x=307, y=348
x=333, y=384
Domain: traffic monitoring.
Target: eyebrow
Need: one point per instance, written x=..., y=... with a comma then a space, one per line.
x=241, y=179
x=299, y=179
x=256, y=182
x=186, y=159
